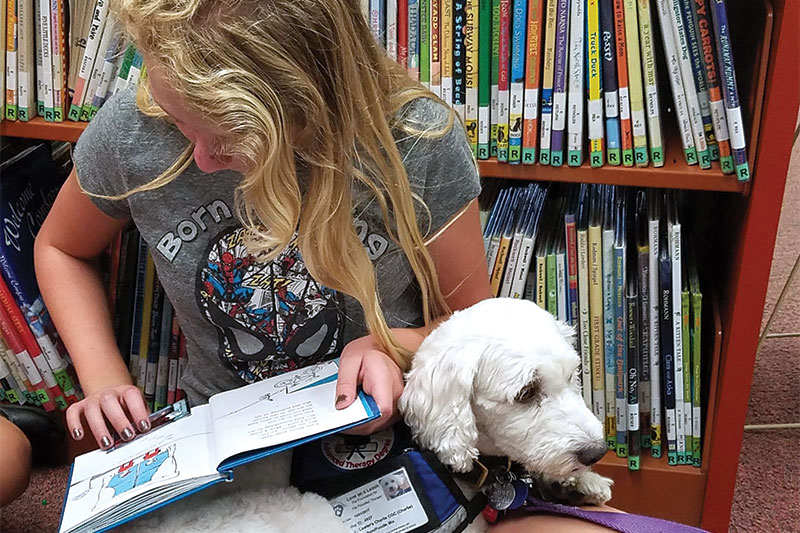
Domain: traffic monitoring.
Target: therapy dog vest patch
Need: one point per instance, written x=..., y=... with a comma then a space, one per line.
x=383, y=483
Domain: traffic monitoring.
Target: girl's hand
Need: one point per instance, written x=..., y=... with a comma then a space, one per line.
x=122, y=405
x=363, y=362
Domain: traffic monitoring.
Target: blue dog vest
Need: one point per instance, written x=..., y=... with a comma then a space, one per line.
x=384, y=483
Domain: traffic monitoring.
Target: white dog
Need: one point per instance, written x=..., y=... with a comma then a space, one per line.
x=499, y=378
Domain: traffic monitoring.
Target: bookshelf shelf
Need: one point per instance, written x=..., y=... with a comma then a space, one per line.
x=39, y=128
x=676, y=174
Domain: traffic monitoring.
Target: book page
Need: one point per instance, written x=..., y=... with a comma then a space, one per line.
x=170, y=454
x=279, y=410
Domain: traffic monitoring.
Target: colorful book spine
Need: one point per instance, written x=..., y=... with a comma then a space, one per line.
x=655, y=137
x=174, y=343
x=377, y=20
x=571, y=238
x=667, y=354
x=676, y=83
x=596, y=318
x=696, y=300
x=11, y=38
x=106, y=41
x=595, y=83
x=730, y=90
x=121, y=81
x=699, y=75
x=687, y=374
x=413, y=38
x=561, y=284
x=609, y=334
x=560, y=83
x=3, y=37
x=11, y=387
x=638, y=117
x=436, y=48
x=633, y=366
x=391, y=29
x=30, y=358
x=471, y=76
x=107, y=74
x=504, y=81
x=25, y=388
x=552, y=284
x=717, y=106
x=39, y=61
x=26, y=64
x=446, y=44
x=484, y=77
x=402, y=36
x=518, y=46
x=425, y=42
x=677, y=338
x=541, y=279
x=687, y=75
x=643, y=316
x=548, y=78
x=575, y=93
x=620, y=348
x=59, y=55
x=459, y=57
x=653, y=231
x=494, y=89
x=530, y=113
x=584, y=316
x=610, y=89
x=89, y=55
x=626, y=129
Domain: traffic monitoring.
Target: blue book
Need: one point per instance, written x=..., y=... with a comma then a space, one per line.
x=459, y=57
x=198, y=448
x=667, y=349
x=29, y=185
x=518, y=50
x=413, y=39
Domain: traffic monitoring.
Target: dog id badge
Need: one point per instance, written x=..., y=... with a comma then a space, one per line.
x=392, y=500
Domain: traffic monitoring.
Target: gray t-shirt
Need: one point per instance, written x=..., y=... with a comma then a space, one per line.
x=243, y=319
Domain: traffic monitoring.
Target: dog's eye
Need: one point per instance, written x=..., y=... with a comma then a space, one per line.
x=528, y=393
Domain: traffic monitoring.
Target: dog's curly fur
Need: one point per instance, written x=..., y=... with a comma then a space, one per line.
x=499, y=378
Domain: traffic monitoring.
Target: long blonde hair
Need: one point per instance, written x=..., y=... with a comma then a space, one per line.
x=298, y=85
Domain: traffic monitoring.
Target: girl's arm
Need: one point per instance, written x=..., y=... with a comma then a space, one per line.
x=457, y=250
x=72, y=237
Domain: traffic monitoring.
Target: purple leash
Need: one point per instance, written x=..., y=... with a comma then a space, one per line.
x=625, y=523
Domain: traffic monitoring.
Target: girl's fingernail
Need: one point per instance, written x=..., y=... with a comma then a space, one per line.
x=342, y=398
x=105, y=442
x=144, y=425
x=127, y=434
x=77, y=433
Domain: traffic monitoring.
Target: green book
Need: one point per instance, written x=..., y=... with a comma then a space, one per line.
x=552, y=284
x=687, y=374
x=484, y=76
x=696, y=305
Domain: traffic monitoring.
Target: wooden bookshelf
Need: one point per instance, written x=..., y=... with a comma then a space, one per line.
x=38, y=128
x=738, y=255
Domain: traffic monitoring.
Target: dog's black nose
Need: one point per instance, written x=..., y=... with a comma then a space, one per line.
x=591, y=454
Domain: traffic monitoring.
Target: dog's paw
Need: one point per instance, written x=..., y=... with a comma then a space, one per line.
x=595, y=489
x=587, y=488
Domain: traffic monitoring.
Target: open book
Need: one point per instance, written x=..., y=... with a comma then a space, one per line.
x=192, y=452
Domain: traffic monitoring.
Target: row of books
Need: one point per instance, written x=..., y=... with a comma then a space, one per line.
x=536, y=80
x=147, y=330
x=61, y=71
x=34, y=365
x=614, y=263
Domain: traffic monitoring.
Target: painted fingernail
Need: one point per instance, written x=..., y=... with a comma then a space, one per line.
x=105, y=442
x=144, y=425
x=127, y=434
x=77, y=433
x=342, y=398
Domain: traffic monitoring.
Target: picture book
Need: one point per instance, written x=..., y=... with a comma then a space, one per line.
x=197, y=449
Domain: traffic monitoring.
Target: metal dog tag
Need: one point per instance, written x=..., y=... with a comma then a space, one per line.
x=501, y=496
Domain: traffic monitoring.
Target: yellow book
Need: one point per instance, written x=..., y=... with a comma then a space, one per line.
x=541, y=281
x=447, y=51
x=548, y=70
x=596, y=321
x=595, y=103
x=500, y=264
x=638, y=117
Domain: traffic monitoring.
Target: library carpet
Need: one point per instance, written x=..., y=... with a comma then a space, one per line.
x=768, y=481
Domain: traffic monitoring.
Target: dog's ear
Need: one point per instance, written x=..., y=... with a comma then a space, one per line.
x=436, y=403
x=568, y=332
